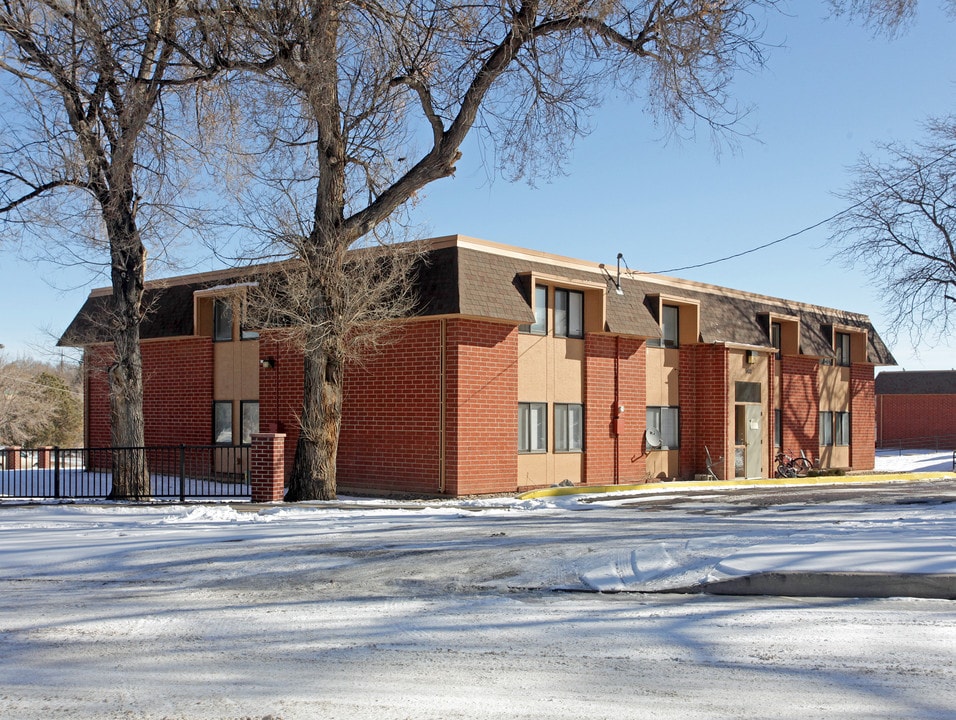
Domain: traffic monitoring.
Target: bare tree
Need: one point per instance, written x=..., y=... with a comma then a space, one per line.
x=884, y=16
x=366, y=103
x=85, y=144
x=902, y=229
x=39, y=404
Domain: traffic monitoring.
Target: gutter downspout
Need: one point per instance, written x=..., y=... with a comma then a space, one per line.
x=617, y=413
x=441, y=405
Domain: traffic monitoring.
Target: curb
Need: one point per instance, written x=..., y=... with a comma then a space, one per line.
x=680, y=485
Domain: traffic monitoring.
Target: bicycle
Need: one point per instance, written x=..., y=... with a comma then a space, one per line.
x=789, y=466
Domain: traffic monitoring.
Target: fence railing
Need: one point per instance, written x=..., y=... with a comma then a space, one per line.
x=175, y=472
x=929, y=442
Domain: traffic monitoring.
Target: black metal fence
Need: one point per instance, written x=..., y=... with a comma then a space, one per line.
x=179, y=472
x=929, y=442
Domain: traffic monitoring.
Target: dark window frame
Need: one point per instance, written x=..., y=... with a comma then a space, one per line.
x=563, y=326
x=658, y=423
x=540, y=324
x=566, y=441
x=217, y=428
x=532, y=440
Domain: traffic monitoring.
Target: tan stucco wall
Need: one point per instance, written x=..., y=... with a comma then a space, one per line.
x=551, y=370
x=236, y=370
x=834, y=384
x=663, y=376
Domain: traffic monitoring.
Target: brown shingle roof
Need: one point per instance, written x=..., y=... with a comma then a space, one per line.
x=917, y=382
x=476, y=279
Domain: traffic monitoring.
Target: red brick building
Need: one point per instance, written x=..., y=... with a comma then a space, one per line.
x=521, y=369
x=916, y=409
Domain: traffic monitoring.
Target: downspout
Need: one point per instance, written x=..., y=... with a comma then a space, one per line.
x=441, y=406
x=617, y=412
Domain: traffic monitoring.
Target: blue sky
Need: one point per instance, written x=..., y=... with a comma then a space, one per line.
x=829, y=93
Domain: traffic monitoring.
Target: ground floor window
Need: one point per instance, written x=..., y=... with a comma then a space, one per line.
x=666, y=422
x=841, y=428
x=222, y=422
x=568, y=427
x=532, y=427
x=826, y=428
x=249, y=420
x=778, y=428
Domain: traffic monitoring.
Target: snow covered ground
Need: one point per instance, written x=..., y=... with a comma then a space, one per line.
x=475, y=609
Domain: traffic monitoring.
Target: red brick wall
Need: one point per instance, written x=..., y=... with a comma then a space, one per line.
x=177, y=392
x=862, y=418
x=909, y=417
x=482, y=407
x=800, y=405
x=704, y=413
x=615, y=374
x=280, y=392
x=96, y=361
x=390, y=439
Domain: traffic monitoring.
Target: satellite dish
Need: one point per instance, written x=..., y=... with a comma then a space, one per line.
x=652, y=438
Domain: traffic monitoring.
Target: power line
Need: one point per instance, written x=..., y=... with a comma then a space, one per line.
x=808, y=228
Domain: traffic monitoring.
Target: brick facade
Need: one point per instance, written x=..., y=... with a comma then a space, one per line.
x=910, y=418
x=704, y=415
x=862, y=420
x=615, y=370
x=391, y=431
x=800, y=404
x=481, y=407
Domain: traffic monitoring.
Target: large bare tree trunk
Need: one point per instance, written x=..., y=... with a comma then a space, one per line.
x=130, y=470
x=313, y=470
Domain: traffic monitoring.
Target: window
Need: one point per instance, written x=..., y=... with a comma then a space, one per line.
x=569, y=313
x=842, y=343
x=670, y=328
x=532, y=427
x=778, y=428
x=775, y=337
x=666, y=421
x=826, y=428
x=568, y=427
x=747, y=392
x=222, y=320
x=841, y=428
x=222, y=422
x=249, y=420
x=540, y=326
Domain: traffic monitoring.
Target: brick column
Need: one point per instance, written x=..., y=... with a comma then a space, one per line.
x=267, y=471
x=44, y=458
x=13, y=457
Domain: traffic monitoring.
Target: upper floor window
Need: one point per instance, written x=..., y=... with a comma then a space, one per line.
x=670, y=328
x=222, y=320
x=568, y=313
x=841, y=342
x=540, y=325
x=776, y=338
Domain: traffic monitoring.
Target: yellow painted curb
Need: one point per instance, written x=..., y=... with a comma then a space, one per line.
x=726, y=484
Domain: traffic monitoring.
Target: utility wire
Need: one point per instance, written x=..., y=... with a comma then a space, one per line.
x=792, y=235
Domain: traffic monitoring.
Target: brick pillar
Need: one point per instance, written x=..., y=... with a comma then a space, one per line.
x=44, y=458
x=13, y=457
x=267, y=471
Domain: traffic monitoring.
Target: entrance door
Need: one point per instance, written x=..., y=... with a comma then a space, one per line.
x=748, y=440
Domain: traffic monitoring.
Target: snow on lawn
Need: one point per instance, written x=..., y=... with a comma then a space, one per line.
x=891, y=461
x=371, y=609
